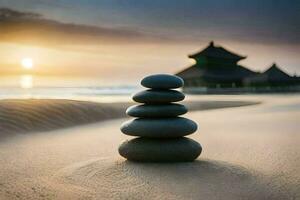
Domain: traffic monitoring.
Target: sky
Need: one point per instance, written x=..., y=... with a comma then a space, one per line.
x=120, y=41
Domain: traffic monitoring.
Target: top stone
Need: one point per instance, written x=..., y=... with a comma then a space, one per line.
x=162, y=81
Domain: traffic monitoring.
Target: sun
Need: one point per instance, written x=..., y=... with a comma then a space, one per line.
x=27, y=63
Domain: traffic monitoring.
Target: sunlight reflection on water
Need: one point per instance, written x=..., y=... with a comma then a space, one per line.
x=32, y=86
x=26, y=81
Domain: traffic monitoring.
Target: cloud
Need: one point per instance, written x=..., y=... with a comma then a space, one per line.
x=33, y=28
x=178, y=22
x=263, y=22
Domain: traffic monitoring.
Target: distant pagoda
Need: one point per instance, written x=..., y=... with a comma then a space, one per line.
x=216, y=54
x=215, y=67
x=272, y=77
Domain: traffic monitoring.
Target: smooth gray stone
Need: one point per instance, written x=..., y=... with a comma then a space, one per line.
x=159, y=110
x=155, y=150
x=158, y=96
x=159, y=127
x=162, y=81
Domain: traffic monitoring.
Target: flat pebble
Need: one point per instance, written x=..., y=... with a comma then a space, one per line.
x=159, y=127
x=162, y=81
x=159, y=110
x=153, y=150
x=158, y=96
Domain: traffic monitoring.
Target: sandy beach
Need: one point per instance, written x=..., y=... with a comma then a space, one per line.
x=149, y=100
x=69, y=151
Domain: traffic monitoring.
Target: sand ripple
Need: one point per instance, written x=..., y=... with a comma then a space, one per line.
x=20, y=116
x=34, y=115
x=204, y=179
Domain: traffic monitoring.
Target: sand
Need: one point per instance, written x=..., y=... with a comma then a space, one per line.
x=249, y=152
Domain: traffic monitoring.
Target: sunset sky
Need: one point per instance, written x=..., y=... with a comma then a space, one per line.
x=120, y=41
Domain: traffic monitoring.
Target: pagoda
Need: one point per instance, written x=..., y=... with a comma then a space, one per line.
x=215, y=67
x=272, y=77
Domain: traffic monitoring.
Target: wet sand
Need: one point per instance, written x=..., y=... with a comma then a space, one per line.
x=249, y=152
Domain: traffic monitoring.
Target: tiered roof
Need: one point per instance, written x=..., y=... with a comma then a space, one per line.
x=218, y=74
x=217, y=52
x=275, y=72
x=272, y=74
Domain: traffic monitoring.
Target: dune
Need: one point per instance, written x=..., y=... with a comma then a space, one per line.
x=36, y=115
x=249, y=152
x=33, y=115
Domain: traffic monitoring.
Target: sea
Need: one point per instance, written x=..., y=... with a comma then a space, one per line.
x=33, y=87
x=103, y=94
x=28, y=86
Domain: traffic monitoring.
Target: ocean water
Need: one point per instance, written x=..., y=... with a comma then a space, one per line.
x=110, y=94
x=91, y=89
x=29, y=86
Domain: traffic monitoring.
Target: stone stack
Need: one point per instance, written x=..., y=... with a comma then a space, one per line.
x=158, y=126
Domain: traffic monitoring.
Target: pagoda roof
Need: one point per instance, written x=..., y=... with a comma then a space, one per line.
x=272, y=74
x=222, y=74
x=217, y=52
x=275, y=71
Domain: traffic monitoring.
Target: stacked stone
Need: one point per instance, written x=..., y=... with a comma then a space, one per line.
x=158, y=126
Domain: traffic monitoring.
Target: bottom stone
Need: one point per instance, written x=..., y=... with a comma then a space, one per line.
x=160, y=150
